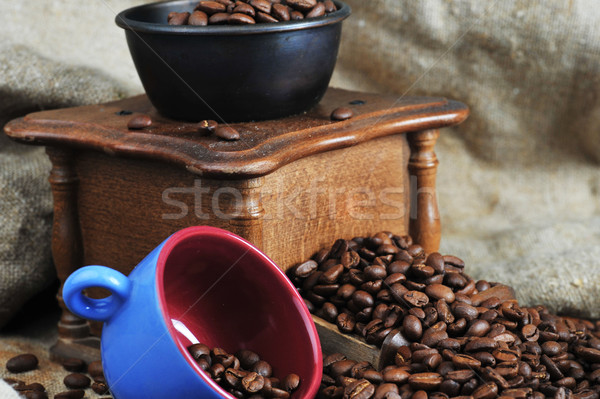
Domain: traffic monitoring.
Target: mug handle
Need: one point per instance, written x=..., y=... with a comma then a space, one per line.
x=95, y=276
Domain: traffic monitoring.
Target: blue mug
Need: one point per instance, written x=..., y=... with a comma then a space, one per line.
x=202, y=284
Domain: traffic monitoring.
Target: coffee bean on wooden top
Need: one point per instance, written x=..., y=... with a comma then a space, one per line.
x=198, y=18
x=74, y=365
x=22, y=363
x=77, y=381
x=341, y=114
x=227, y=133
x=178, y=18
x=95, y=369
x=139, y=122
x=71, y=394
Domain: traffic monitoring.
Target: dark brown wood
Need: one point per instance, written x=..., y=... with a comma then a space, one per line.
x=290, y=186
x=425, y=226
x=264, y=146
x=67, y=248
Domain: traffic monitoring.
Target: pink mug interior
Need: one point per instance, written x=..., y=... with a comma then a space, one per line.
x=216, y=288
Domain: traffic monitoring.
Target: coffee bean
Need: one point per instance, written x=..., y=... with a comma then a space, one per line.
x=345, y=323
x=296, y=15
x=211, y=7
x=219, y=18
x=359, y=389
x=198, y=350
x=440, y=291
x=74, y=365
x=139, y=122
x=302, y=5
x=227, y=132
x=416, y=298
x=22, y=363
x=317, y=11
x=100, y=388
x=77, y=381
x=240, y=19
x=329, y=8
x=281, y=12
x=199, y=18
x=290, y=382
x=95, y=369
x=71, y=394
x=425, y=381
x=341, y=113
x=261, y=5
x=177, y=18
x=33, y=395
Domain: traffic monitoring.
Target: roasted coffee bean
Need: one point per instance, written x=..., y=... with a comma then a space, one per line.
x=22, y=363
x=416, y=298
x=226, y=132
x=71, y=394
x=302, y=5
x=211, y=7
x=296, y=15
x=263, y=368
x=74, y=365
x=100, y=388
x=33, y=395
x=329, y=8
x=199, y=18
x=240, y=19
x=95, y=369
x=290, y=382
x=341, y=113
x=317, y=11
x=345, y=323
x=440, y=291
x=253, y=382
x=425, y=381
x=175, y=18
x=281, y=12
x=77, y=381
x=395, y=375
x=362, y=299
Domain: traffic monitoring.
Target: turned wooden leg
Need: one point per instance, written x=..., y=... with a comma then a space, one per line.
x=67, y=247
x=424, y=226
x=247, y=211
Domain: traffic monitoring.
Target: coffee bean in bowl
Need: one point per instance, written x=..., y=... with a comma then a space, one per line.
x=215, y=64
x=250, y=12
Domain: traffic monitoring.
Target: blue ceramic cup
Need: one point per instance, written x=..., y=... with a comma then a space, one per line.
x=202, y=284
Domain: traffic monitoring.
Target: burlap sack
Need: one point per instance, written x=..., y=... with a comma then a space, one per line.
x=519, y=181
x=29, y=82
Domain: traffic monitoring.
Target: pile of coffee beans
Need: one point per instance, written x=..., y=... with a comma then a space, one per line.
x=244, y=374
x=460, y=345
x=248, y=12
x=76, y=382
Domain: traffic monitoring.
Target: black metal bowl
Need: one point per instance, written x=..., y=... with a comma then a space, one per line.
x=231, y=73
